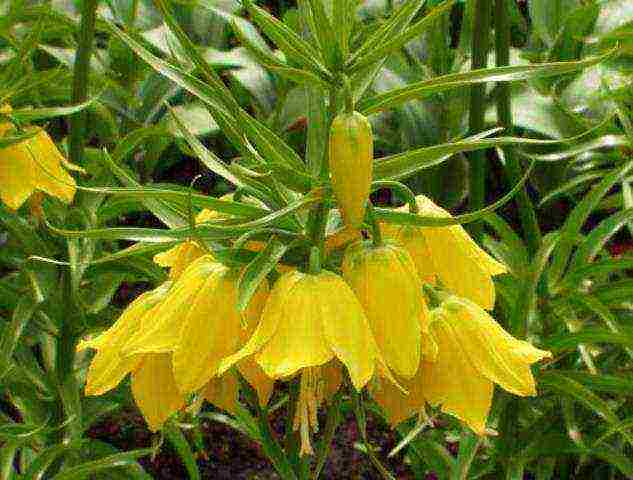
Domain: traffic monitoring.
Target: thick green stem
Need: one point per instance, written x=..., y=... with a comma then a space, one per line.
x=529, y=222
x=477, y=113
x=81, y=77
x=376, y=234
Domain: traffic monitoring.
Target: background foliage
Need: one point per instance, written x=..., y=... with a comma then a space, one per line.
x=569, y=291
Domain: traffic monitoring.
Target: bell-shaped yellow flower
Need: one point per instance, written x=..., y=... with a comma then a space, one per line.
x=153, y=384
x=310, y=323
x=200, y=323
x=309, y=320
x=385, y=281
x=450, y=254
x=473, y=353
x=34, y=164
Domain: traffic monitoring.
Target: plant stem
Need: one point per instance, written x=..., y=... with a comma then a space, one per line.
x=331, y=424
x=81, y=78
x=529, y=222
x=477, y=113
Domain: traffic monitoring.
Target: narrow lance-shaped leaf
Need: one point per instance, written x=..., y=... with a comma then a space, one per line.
x=117, y=460
x=419, y=90
x=578, y=217
x=402, y=218
x=288, y=41
x=392, y=44
x=32, y=114
x=257, y=270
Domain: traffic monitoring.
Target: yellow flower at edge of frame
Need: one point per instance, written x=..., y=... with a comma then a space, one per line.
x=474, y=353
x=34, y=164
x=385, y=282
x=449, y=254
x=309, y=320
x=153, y=384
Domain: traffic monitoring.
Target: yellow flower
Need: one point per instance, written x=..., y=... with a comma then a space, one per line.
x=34, y=164
x=386, y=283
x=351, y=155
x=199, y=322
x=153, y=384
x=474, y=352
x=448, y=253
x=309, y=321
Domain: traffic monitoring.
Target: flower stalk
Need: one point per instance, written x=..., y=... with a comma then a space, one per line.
x=529, y=222
x=81, y=78
x=477, y=112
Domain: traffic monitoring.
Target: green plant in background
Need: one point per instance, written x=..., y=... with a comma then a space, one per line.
x=155, y=72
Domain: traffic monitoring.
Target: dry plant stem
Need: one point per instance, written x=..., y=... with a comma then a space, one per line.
x=81, y=78
x=529, y=222
x=477, y=112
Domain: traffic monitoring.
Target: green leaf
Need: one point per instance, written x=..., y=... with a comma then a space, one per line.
x=32, y=114
x=570, y=341
x=293, y=46
x=606, y=141
x=257, y=270
x=577, y=218
x=419, y=90
x=110, y=462
x=183, y=449
x=40, y=464
x=324, y=32
x=13, y=331
x=593, y=243
x=391, y=45
x=402, y=218
x=398, y=21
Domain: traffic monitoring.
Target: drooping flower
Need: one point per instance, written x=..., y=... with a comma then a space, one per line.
x=310, y=320
x=450, y=254
x=386, y=283
x=33, y=164
x=153, y=384
x=473, y=353
x=200, y=323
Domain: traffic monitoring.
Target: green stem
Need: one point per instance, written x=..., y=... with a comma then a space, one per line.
x=361, y=420
x=81, y=78
x=477, y=113
x=376, y=234
x=529, y=222
x=401, y=188
x=331, y=424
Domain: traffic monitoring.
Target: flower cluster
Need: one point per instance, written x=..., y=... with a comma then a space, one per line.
x=369, y=321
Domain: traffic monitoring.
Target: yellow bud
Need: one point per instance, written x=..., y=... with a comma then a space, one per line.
x=351, y=157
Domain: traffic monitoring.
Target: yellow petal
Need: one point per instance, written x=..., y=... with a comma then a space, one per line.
x=492, y=351
x=453, y=382
x=179, y=258
x=222, y=392
x=255, y=376
x=49, y=175
x=109, y=366
x=155, y=391
x=346, y=328
x=298, y=341
x=397, y=404
x=268, y=324
x=412, y=239
x=211, y=329
x=387, y=286
x=161, y=335
x=16, y=175
x=462, y=266
x=107, y=369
